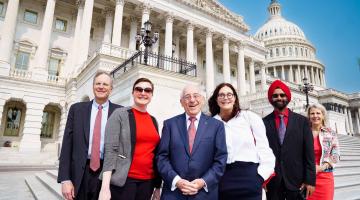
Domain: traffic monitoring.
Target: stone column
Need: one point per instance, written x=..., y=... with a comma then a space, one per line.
x=226, y=61
x=39, y=66
x=275, y=72
x=252, y=76
x=316, y=76
x=195, y=51
x=133, y=33
x=190, y=43
x=7, y=36
x=73, y=60
x=209, y=64
x=298, y=75
x=30, y=141
x=108, y=25
x=307, y=73
x=85, y=31
x=282, y=72
x=323, y=78
x=357, y=112
x=241, y=70
x=347, y=127
x=146, y=9
x=350, y=121
x=263, y=77
x=168, y=35
x=291, y=74
x=117, y=28
x=177, y=47
x=312, y=75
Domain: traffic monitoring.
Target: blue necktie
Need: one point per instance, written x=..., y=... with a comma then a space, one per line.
x=282, y=129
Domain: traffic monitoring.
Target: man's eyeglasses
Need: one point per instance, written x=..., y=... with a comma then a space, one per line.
x=140, y=90
x=282, y=95
x=195, y=96
x=223, y=95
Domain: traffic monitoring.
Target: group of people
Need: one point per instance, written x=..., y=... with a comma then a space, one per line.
x=115, y=152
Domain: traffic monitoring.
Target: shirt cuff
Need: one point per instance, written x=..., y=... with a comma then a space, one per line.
x=66, y=181
x=173, y=184
x=205, y=186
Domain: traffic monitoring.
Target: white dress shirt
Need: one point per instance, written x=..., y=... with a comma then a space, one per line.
x=240, y=132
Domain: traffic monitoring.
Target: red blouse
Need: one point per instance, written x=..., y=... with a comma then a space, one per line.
x=147, y=138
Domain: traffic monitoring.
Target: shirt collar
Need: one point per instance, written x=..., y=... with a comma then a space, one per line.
x=285, y=113
x=197, y=116
x=104, y=105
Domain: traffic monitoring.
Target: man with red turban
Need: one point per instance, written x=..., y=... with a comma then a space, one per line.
x=291, y=140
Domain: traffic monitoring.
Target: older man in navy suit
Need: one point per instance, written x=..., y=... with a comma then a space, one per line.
x=192, y=153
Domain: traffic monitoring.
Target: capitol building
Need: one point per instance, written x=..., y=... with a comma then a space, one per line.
x=51, y=49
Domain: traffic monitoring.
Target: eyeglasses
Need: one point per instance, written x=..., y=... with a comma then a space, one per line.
x=282, y=95
x=223, y=95
x=140, y=90
x=189, y=96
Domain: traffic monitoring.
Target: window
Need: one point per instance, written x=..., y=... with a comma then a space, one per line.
x=60, y=24
x=47, y=124
x=277, y=52
x=283, y=52
x=13, y=119
x=30, y=16
x=296, y=51
x=22, y=60
x=290, y=51
x=92, y=33
x=233, y=72
x=271, y=53
x=220, y=69
x=54, y=67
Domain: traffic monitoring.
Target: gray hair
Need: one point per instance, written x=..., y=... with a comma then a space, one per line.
x=321, y=108
x=197, y=88
x=101, y=72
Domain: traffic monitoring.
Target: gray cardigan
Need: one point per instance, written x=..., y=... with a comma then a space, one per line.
x=120, y=139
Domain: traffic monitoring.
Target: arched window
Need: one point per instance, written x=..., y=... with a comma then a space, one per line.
x=13, y=118
x=290, y=51
x=50, y=122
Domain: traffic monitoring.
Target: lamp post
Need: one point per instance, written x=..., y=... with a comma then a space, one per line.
x=145, y=38
x=306, y=88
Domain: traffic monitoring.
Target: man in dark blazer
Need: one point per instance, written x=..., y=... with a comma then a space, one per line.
x=83, y=141
x=291, y=140
x=192, y=152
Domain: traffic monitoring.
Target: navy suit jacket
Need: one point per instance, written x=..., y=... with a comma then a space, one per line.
x=74, y=151
x=207, y=159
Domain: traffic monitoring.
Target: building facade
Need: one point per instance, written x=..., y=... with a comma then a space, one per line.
x=51, y=49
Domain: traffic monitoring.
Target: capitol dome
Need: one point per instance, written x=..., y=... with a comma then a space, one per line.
x=290, y=56
x=277, y=26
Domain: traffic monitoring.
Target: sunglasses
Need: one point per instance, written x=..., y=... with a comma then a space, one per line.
x=140, y=90
x=282, y=95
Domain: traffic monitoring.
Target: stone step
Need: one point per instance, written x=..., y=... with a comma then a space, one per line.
x=348, y=181
x=38, y=190
x=348, y=164
x=349, y=193
x=345, y=158
x=51, y=183
x=52, y=173
x=347, y=152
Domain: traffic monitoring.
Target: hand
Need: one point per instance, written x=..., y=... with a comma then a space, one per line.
x=318, y=169
x=309, y=189
x=186, y=187
x=198, y=183
x=156, y=194
x=105, y=194
x=67, y=190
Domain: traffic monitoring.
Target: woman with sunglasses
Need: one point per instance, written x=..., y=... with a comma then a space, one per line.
x=131, y=140
x=250, y=159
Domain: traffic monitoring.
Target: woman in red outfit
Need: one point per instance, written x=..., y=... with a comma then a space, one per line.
x=326, y=147
x=131, y=140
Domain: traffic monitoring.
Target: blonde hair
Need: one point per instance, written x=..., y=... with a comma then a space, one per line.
x=321, y=108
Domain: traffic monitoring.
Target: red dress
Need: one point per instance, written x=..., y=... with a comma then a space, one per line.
x=324, y=189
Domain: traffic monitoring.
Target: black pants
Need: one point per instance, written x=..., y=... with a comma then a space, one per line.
x=241, y=181
x=90, y=184
x=280, y=192
x=133, y=190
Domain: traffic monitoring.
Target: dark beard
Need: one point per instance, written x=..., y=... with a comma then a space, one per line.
x=280, y=104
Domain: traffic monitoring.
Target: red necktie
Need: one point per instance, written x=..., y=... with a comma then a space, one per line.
x=191, y=132
x=95, y=149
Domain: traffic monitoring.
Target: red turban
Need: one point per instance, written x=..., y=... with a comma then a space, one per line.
x=278, y=84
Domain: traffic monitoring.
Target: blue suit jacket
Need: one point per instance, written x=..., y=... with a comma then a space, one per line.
x=207, y=159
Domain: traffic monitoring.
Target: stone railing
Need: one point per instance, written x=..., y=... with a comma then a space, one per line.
x=116, y=51
x=56, y=79
x=20, y=73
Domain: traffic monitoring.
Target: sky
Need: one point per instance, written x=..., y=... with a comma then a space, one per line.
x=332, y=26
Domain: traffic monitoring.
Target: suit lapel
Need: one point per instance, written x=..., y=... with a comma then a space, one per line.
x=183, y=132
x=111, y=109
x=132, y=124
x=87, y=119
x=200, y=131
x=274, y=129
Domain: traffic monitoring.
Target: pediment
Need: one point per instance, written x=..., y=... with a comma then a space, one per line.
x=216, y=9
